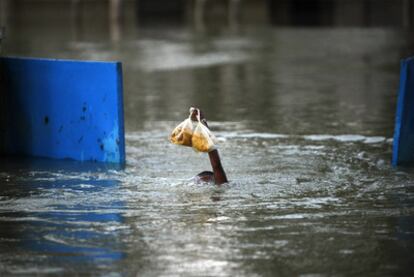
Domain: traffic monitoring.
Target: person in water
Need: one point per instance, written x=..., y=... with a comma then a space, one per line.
x=218, y=176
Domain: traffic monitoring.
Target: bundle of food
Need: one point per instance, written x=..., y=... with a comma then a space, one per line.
x=194, y=134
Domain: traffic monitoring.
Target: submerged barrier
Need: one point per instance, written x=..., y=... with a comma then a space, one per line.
x=403, y=145
x=62, y=109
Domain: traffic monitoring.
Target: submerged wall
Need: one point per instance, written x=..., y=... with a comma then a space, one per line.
x=62, y=109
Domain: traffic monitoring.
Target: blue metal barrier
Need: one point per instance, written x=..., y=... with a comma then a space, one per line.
x=403, y=145
x=62, y=109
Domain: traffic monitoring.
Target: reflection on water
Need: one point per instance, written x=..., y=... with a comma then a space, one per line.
x=43, y=219
x=304, y=118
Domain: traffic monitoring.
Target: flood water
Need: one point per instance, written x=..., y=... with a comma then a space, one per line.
x=304, y=117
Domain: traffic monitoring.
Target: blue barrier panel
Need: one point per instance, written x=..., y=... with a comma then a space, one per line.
x=403, y=146
x=62, y=109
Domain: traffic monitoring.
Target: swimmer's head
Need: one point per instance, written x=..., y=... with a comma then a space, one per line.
x=205, y=176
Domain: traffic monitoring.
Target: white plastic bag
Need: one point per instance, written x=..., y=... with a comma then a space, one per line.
x=182, y=134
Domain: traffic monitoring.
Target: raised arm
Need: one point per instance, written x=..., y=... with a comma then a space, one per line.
x=218, y=171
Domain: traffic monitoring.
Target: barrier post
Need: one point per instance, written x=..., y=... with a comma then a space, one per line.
x=403, y=144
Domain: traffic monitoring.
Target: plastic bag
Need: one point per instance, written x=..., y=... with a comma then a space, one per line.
x=183, y=133
x=203, y=140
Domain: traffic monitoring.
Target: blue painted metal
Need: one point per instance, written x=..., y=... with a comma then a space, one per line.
x=403, y=145
x=62, y=109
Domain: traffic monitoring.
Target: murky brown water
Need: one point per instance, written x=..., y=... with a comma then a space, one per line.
x=304, y=117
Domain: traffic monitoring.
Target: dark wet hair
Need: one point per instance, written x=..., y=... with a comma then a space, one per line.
x=206, y=176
